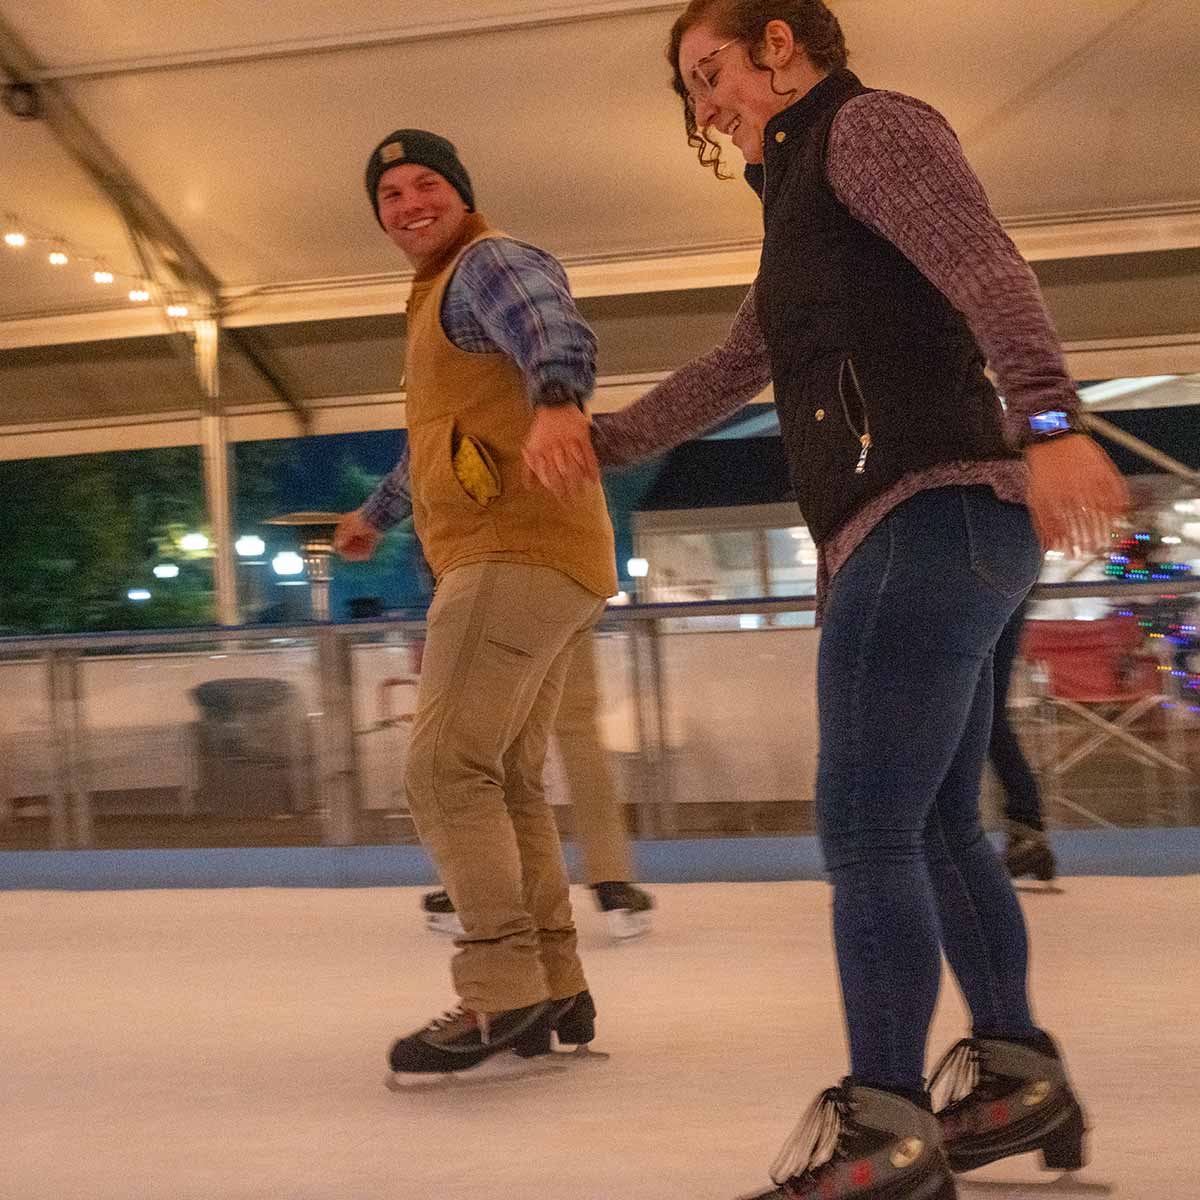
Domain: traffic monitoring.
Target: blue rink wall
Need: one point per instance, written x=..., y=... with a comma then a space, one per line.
x=709, y=860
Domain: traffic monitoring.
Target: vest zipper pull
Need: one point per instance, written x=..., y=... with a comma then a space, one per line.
x=861, y=465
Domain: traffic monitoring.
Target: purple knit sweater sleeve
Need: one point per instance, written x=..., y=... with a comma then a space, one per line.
x=688, y=403
x=897, y=166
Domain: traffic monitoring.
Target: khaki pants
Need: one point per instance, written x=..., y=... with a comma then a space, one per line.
x=599, y=819
x=500, y=637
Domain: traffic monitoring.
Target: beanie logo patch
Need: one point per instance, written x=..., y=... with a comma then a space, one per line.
x=391, y=152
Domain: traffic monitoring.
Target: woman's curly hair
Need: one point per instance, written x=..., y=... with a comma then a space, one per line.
x=812, y=25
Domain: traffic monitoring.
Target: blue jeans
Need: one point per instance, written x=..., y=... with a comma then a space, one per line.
x=905, y=697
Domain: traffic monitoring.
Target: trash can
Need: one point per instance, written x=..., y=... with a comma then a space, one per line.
x=251, y=748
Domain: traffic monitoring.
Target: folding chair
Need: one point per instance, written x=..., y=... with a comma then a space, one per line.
x=1101, y=673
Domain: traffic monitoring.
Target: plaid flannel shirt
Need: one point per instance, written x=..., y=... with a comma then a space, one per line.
x=512, y=298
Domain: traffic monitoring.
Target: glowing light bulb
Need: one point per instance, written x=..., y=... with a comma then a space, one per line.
x=193, y=541
x=102, y=276
x=249, y=546
x=58, y=258
x=139, y=295
x=14, y=239
x=287, y=562
x=177, y=310
x=138, y=594
x=166, y=571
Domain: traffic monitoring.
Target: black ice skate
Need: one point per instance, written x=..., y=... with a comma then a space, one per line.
x=573, y=1023
x=440, y=916
x=462, y=1039
x=1005, y=1098
x=858, y=1143
x=1027, y=852
x=626, y=908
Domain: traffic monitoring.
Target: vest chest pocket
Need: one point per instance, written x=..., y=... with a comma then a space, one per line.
x=831, y=431
x=854, y=409
x=475, y=471
x=451, y=470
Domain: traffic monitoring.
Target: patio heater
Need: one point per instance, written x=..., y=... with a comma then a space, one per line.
x=315, y=532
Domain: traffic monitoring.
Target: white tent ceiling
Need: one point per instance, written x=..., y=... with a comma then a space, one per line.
x=248, y=126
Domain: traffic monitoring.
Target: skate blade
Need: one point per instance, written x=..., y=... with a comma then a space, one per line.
x=1049, y=888
x=561, y=1058
x=1065, y=1184
x=499, y=1069
x=582, y=1054
x=445, y=923
x=624, y=924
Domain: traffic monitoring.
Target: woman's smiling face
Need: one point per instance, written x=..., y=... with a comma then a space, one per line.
x=727, y=91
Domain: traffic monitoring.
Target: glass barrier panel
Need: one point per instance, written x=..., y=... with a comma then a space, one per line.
x=1112, y=731
x=693, y=565
x=27, y=760
x=386, y=672
x=205, y=747
x=707, y=732
x=740, y=729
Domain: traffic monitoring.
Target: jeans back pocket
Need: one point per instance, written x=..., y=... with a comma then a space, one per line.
x=1004, y=549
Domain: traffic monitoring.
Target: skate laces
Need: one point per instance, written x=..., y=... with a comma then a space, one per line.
x=447, y=1019
x=962, y=1065
x=814, y=1141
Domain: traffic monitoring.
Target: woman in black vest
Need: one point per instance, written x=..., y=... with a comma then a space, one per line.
x=885, y=284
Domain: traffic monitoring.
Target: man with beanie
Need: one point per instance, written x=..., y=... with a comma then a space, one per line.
x=498, y=363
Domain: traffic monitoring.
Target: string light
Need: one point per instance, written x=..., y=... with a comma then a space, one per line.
x=19, y=234
x=1166, y=618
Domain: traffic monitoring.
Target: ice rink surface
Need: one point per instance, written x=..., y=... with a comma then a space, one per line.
x=229, y=1044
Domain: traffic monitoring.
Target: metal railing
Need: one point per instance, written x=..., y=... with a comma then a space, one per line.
x=326, y=662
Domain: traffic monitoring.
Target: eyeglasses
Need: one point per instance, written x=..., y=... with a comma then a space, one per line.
x=698, y=83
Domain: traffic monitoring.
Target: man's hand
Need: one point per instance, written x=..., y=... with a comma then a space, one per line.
x=1075, y=494
x=355, y=538
x=558, y=450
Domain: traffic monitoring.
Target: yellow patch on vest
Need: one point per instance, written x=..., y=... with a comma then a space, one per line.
x=474, y=469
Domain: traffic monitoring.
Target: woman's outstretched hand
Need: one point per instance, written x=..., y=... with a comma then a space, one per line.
x=1075, y=493
x=558, y=451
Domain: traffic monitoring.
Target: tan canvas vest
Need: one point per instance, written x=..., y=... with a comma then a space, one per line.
x=454, y=395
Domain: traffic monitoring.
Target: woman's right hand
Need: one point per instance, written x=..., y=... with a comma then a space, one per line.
x=1075, y=494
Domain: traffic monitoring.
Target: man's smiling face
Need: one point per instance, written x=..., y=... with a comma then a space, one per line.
x=420, y=211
